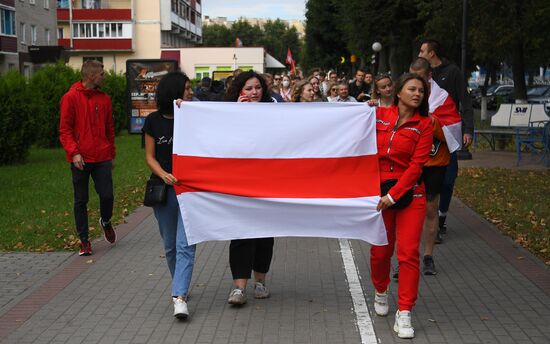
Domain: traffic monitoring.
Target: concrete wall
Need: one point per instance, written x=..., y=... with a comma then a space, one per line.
x=191, y=58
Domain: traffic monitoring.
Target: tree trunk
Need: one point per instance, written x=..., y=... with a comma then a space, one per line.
x=518, y=70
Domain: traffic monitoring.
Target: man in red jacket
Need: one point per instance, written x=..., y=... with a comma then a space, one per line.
x=86, y=131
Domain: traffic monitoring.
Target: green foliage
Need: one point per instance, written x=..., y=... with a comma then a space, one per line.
x=115, y=86
x=48, y=85
x=274, y=36
x=17, y=121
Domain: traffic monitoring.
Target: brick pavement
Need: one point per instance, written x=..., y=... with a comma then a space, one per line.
x=482, y=294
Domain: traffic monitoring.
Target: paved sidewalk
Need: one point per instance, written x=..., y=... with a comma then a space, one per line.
x=487, y=291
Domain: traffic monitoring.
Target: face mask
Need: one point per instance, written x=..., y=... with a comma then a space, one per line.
x=286, y=83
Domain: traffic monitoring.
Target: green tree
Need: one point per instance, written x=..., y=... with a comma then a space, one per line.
x=216, y=35
x=250, y=35
x=324, y=42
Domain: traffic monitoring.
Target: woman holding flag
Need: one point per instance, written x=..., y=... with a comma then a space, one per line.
x=158, y=130
x=404, y=139
x=247, y=255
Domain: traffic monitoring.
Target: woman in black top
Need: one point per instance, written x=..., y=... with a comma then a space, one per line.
x=247, y=255
x=158, y=130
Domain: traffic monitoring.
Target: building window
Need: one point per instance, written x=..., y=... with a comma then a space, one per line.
x=47, y=4
x=59, y=32
x=92, y=58
x=47, y=36
x=62, y=3
x=7, y=19
x=91, y=4
x=33, y=34
x=23, y=32
x=102, y=30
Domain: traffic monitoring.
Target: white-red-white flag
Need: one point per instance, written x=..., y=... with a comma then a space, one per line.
x=290, y=61
x=444, y=108
x=238, y=42
x=253, y=170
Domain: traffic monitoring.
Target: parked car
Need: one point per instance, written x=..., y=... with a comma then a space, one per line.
x=540, y=95
x=499, y=94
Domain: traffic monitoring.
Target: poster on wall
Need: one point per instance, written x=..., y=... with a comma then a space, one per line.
x=142, y=78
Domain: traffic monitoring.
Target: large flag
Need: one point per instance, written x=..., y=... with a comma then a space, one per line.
x=253, y=170
x=444, y=108
x=290, y=61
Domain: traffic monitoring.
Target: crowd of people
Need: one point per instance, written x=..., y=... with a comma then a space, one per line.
x=417, y=171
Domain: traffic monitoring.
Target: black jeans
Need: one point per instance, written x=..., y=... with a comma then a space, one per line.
x=246, y=255
x=101, y=173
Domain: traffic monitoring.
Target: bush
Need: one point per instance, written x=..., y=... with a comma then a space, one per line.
x=115, y=86
x=48, y=85
x=16, y=119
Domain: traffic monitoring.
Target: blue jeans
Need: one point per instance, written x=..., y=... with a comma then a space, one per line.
x=179, y=255
x=448, y=184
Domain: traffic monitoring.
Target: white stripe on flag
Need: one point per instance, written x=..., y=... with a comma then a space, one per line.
x=213, y=216
x=266, y=130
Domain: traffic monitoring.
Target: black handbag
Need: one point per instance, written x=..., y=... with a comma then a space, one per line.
x=155, y=192
x=401, y=203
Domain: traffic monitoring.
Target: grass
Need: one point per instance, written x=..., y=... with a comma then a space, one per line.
x=516, y=202
x=36, y=207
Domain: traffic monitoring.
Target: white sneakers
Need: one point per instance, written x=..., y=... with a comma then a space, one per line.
x=260, y=290
x=237, y=297
x=180, y=308
x=403, y=326
x=381, y=307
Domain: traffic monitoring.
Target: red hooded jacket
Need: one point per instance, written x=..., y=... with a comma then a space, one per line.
x=402, y=151
x=86, y=124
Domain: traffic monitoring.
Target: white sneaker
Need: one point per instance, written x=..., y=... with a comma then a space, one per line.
x=260, y=290
x=403, y=326
x=237, y=297
x=381, y=307
x=180, y=308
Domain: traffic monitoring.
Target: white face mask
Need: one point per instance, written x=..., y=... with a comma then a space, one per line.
x=286, y=83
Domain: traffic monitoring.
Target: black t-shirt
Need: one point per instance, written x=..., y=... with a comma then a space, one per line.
x=162, y=130
x=355, y=90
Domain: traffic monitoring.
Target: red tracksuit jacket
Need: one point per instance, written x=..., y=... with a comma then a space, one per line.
x=403, y=151
x=86, y=124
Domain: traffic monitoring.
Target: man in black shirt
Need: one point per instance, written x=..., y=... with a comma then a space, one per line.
x=359, y=89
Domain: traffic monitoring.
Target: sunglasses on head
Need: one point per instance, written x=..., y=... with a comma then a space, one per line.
x=382, y=76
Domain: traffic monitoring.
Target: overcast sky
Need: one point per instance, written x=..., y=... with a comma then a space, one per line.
x=233, y=9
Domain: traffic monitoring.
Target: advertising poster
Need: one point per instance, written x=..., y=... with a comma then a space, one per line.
x=143, y=77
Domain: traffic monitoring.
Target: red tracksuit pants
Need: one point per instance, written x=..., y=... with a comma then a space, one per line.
x=405, y=227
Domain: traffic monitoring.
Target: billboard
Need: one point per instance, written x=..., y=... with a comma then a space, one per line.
x=142, y=78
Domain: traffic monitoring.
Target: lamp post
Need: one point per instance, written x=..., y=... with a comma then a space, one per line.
x=376, y=47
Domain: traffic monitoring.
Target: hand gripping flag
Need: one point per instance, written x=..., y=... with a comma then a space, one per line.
x=253, y=170
x=444, y=108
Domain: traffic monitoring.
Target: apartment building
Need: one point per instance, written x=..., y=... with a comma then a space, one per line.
x=9, y=58
x=114, y=31
x=36, y=36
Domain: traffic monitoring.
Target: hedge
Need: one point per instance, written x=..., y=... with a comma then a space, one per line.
x=17, y=118
x=30, y=108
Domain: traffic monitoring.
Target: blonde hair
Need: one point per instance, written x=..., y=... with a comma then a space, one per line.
x=298, y=89
x=90, y=67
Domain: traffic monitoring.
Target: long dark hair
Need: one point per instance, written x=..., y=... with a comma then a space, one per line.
x=424, y=107
x=170, y=88
x=237, y=85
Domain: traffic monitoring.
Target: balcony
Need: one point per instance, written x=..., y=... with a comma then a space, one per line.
x=8, y=44
x=103, y=44
x=95, y=15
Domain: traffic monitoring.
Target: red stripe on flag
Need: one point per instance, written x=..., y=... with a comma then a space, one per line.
x=447, y=112
x=347, y=177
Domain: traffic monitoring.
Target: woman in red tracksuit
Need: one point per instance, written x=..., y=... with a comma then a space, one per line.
x=404, y=139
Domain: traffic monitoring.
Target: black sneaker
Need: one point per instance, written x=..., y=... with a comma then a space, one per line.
x=442, y=225
x=429, y=266
x=395, y=275
x=108, y=231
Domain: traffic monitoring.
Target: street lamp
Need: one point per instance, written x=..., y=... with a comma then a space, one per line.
x=376, y=47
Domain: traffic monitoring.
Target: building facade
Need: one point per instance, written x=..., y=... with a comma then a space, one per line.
x=36, y=27
x=9, y=58
x=113, y=31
